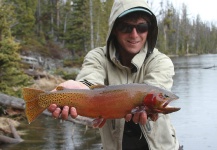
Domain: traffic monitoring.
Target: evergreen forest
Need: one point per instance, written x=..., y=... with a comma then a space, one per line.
x=50, y=28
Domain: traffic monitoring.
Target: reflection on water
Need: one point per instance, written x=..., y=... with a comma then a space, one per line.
x=195, y=83
x=47, y=133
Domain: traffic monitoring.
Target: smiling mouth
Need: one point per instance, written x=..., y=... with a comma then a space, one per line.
x=133, y=42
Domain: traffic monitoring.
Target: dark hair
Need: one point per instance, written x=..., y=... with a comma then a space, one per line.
x=134, y=16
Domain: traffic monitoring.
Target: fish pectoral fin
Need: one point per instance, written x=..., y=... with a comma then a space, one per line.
x=97, y=86
x=98, y=122
x=138, y=109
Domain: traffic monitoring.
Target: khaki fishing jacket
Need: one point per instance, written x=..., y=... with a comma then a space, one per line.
x=101, y=66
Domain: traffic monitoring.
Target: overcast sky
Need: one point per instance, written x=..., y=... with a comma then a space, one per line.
x=206, y=9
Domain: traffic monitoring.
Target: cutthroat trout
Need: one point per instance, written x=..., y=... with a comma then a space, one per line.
x=108, y=102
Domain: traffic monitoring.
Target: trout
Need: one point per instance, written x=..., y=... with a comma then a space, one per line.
x=108, y=102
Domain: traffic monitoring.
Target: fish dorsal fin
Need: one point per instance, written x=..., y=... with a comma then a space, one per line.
x=60, y=88
x=98, y=86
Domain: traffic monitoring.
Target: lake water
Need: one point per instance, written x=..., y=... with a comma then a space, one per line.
x=195, y=83
x=47, y=133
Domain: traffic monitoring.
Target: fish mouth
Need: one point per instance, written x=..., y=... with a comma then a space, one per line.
x=174, y=97
x=171, y=98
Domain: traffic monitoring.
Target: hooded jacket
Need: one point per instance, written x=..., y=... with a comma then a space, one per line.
x=101, y=66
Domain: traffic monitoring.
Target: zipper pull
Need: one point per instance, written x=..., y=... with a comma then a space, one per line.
x=148, y=126
x=113, y=124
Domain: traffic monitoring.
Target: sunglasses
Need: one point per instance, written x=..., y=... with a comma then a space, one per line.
x=128, y=28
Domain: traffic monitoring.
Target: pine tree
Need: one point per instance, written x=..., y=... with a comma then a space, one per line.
x=12, y=77
x=25, y=15
x=77, y=36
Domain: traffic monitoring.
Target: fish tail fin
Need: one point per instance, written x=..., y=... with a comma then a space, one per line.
x=31, y=97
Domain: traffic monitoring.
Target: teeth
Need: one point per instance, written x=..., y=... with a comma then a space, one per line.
x=133, y=42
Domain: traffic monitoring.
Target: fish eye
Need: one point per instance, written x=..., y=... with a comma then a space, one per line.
x=165, y=95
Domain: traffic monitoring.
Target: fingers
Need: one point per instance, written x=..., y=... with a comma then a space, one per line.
x=65, y=113
x=56, y=113
x=128, y=117
x=73, y=112
x=62, y=113
x=140, y=118
x=52, y=108
x=136, y=118
x=143, y=118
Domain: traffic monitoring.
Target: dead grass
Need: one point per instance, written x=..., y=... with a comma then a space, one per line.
x=5, y=126
x=48, y=83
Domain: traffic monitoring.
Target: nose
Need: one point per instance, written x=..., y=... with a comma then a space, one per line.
x=134, y=33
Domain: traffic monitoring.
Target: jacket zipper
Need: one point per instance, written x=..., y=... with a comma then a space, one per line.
x=113, y=121
x=148, y=127
x=141, y=126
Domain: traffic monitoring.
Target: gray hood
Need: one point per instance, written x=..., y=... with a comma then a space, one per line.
x=121, y=6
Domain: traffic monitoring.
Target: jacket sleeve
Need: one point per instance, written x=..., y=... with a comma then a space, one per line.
x=93, y=68
x=160, y=71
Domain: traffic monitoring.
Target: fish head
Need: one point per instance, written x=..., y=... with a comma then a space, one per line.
x=156, y=101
